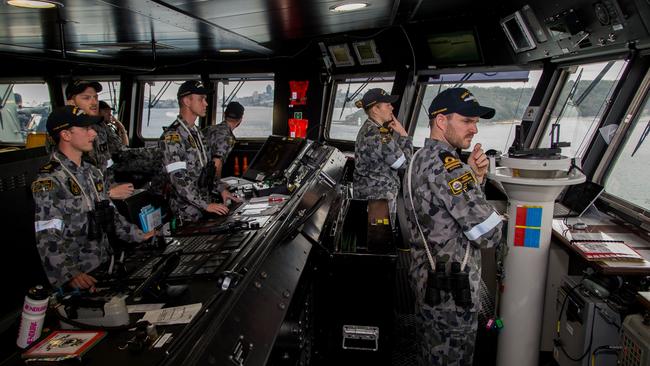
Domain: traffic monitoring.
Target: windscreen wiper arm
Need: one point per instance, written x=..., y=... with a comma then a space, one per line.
x=593, y=84
x=642, y=138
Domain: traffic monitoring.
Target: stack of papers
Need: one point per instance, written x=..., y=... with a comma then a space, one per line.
x=607, y=250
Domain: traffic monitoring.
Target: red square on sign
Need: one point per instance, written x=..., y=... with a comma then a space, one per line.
x=521, y=216
x=520, y=235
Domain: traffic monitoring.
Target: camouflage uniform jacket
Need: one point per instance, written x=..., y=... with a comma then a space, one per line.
x=220, y=140
x=61, y=219
x=453, y=214
x=184, y=157
x=105, y=145
x=377, y=158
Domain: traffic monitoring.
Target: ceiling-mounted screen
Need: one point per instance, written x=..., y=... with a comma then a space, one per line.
x=454, y=48
x=366, y=52
x=341, y=55
x=517, y=32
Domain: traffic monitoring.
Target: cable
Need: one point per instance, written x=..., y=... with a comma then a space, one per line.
x=558, y=342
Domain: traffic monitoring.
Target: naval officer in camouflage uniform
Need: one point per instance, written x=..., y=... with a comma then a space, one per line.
x=448, y=212
x=110, y=148
x=220, y=141
x=185, y=156
x=382, y=148
x=84, y=95
x=66, y=191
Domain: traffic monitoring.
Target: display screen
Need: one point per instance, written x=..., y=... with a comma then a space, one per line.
x=274, y=157
x=516, y=34
x=460, y=47
x=580, y=196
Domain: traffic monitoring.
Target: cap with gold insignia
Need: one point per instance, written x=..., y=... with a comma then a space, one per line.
x=192, y=87
x=374, y=96
x=69, y=116
x=78, y=86
x=461, y=101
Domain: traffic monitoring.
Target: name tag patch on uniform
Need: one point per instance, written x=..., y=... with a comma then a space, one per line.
x=173, y=137
x=43, y=185
x=450, y=162
x=99, y=186
x=74, y=187
x=462, y=184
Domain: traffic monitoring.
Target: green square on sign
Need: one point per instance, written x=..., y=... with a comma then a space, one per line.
x=297, y=115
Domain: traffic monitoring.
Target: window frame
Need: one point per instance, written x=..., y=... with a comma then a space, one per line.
x=629, y=210
x=423, y=81
x=216, y=78
x=26, y=80
x=332, y=100
x=564, y=75
x=140, y=82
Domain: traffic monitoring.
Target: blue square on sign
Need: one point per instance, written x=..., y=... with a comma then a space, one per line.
x=531, y=240
x=534, y=216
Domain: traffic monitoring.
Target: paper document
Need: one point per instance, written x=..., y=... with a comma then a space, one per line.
x=143, y=308
x=176, y=315
x=256, y=206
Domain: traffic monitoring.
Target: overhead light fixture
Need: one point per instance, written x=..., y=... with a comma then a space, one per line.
x=87, y=50
x=340, y=8
x=35, y=4
x=229, y=50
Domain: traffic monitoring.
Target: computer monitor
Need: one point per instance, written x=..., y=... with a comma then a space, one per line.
x=579, y=197
x=454, y=48
x=274, y=158
x=517, y=32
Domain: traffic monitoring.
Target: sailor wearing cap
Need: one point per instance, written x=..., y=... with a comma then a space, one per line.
x=382, y=148
x=66, y=194
x=449, y=220
x=221, y=140
x=83, y=94
x=186, y=158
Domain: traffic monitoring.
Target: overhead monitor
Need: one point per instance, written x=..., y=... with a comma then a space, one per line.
x=454, y=48
x=517, y=32
x=366, y=52
x=274, y=157
x=341, y=55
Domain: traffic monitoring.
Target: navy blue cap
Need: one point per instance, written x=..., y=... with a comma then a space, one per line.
x=69, y=116
x=461, y=101
x=374, y=96
x=193, y=87
x=103, y=105
x=234, y=110
x=78, y=86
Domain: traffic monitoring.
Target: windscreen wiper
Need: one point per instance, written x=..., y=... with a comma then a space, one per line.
x=156, y=99
x=3, y=102
x=593, y=84
x=349, y=97
x=232, y=95
x=642, y=138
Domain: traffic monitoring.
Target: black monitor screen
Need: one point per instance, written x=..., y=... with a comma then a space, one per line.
x=460, y=47
x=580, y=196
x=276, y=155
x=517, y=35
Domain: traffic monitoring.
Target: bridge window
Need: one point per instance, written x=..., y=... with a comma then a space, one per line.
x=581, y=104
x=111, y=94
x=346, y=119
x=24, y=108
x=159, y=107
x=509, y=92
x=256, y=95
x=627, y=177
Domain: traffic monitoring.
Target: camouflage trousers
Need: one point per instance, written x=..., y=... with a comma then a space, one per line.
x=445, y=338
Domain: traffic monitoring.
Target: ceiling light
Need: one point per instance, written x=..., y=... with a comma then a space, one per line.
x=229, y=50
x=348, y=7
x=87, y=50
x=34, y=4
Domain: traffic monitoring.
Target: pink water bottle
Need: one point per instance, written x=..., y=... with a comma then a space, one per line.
x=31, y=321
